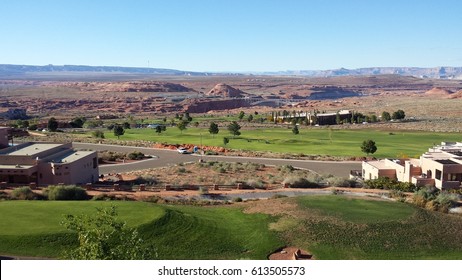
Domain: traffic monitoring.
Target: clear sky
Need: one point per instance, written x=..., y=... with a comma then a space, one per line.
x=232, y=35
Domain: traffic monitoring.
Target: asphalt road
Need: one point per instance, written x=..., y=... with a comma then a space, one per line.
x=167, y=157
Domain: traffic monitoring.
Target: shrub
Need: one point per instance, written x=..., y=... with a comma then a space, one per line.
x=398, y=195
x=341, y=182
x=445, y=201
x=98, y=134
x=203, y=190
x=254, y=184
x=300, y=182
x=65, y=193
x=4, y=196
x=237, y=199
x=286, y=168
x=146, y=179
x=110, y=156
x=181, y=170
x=389, y=184
x=24, y=193
x=211, y=153
x=276, y=196
x=136, y=155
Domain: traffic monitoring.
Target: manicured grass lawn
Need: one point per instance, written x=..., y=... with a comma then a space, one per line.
x=330, y=227
x=339, y=227
x=310, y=141
x=211, y=233
x=32, y=228
x=37, y=217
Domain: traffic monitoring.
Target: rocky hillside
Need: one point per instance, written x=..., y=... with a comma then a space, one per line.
x=133, y=86
x=224, y=90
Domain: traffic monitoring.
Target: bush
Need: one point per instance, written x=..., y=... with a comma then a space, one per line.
x=135, y=155
x=300, y=182
x=24, y=193
x=203, y=190
x=65, y=193
x=145, y=179
x=181, y=170
x=254, y=184
x=98, y=134
x=386, y=183
x=110, y=156
x=286, y=168
x=341, y=182
x=398, y=195
x=276, y=196
x=445, y=201
x=211, y=153
x=237, y=199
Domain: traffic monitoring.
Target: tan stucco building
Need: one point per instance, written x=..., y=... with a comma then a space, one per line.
x=441, y=167
x=47, y=163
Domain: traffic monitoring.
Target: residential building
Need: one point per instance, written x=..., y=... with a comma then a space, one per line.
x=441, y=167
x=319, y=118
x=47, y=163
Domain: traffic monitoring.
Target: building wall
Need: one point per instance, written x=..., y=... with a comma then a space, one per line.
x=3, y=137
x=371, y=172
x=52, y=164
x=81, y=171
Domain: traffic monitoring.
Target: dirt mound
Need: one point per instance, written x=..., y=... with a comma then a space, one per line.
x=455, y=95
x=438, y=91
x=224, y=90
x=291, y=253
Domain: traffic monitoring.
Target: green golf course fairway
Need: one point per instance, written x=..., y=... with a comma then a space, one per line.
x=310, y=141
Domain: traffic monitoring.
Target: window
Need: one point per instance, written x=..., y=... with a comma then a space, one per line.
x=95, y=162
x=438, y=174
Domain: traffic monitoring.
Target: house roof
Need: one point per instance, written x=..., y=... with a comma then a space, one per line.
x=70, y=156
x=33, y=149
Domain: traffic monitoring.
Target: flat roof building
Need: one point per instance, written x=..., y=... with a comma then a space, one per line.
x=47, y=163
x=441, y=167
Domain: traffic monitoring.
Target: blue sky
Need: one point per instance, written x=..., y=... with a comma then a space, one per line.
x=232, y=35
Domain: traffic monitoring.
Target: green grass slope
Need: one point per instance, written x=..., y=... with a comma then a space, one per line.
x=337, y=227
x=32, y=228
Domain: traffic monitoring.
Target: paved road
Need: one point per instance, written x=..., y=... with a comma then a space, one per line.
x=167, y=157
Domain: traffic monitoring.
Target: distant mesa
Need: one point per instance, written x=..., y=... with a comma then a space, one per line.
x=135, y=86
x=224, y=90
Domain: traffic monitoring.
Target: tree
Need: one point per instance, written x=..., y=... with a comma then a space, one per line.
x=187, y=117
x=241, y=115
x=52, y=124
x=77, y=122
x=250, y=118
x=295, y=130
x=103, y=237
x=182, y=125
x=386, y=116
x=126, y=125
x=213, y=129
x=118, y=130
x=159, y=129
x=225, y=140
x=398, y=115
x=234, y=128
x=98, y=134
x=368, y=147
x=338, y=120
